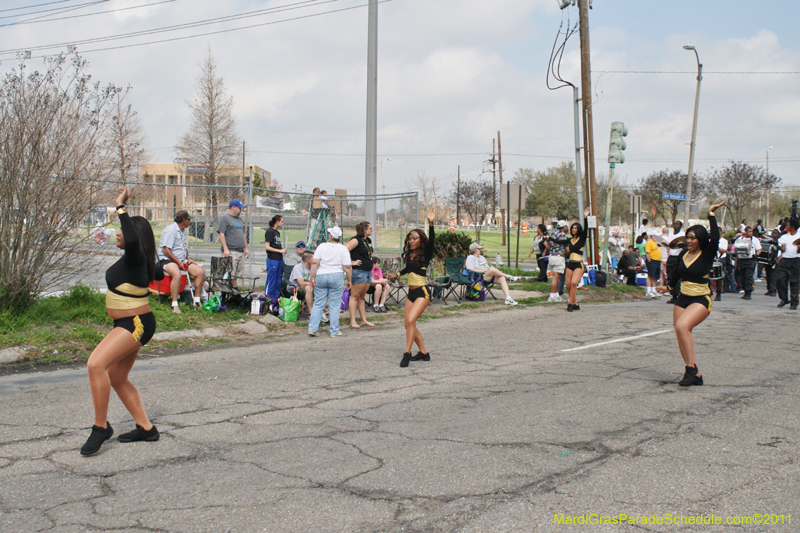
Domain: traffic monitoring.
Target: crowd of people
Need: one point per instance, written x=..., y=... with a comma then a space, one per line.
x=693, y=263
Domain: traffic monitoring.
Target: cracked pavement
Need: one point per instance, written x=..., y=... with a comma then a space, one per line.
x=499, y=432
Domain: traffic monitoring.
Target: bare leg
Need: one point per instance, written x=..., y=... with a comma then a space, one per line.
x=573, y=286
x=116, y=346
x=504, y=285
x=118, y=376
x=377, y=298
x=685, y=321
x=411, y=312
x=554, y=283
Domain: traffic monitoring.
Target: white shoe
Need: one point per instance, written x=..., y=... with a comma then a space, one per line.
x=560, y=300
x=552, y=300
x=325, y=318
x=513, y=278
x=510, y=301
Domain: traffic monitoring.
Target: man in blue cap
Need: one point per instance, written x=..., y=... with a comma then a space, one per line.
x=232, y=239
x=296, y=258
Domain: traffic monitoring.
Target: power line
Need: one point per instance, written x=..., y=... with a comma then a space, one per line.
x=58, y=9
x=361, y=155
x=692, y=72
x=35, y=5
x=116, y=10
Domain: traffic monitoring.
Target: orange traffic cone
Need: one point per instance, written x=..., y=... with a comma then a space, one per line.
x=524, y=227
x=452, y=225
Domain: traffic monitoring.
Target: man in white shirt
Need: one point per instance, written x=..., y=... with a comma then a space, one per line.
x=675, y=249
x=477, y=263
x=787, y=273
x=746, y=249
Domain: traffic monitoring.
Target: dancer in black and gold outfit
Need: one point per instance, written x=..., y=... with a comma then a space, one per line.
x=575, y=246
x=127, y=302
x=417, y=254
x=693, y=303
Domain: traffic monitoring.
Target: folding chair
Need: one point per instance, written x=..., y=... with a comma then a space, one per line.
x=220, y=282
x=437, y=284
x=398, y=291
x=487, y=285
x=459, y=283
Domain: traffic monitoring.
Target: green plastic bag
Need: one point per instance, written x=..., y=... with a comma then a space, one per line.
x=213, y=305
x=289, y=309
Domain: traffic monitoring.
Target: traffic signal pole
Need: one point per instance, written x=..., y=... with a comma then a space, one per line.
x=586, y=98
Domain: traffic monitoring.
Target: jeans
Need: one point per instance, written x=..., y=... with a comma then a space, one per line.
x=787, y=275
x=328, y=289
x=274, y=275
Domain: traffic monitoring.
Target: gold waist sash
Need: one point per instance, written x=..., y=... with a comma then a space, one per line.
x=690, y=288
x=415, y=280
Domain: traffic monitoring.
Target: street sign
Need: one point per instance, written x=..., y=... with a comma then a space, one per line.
x=671, y=196
x=196, y=169
x=636, y=204
x=517, y=193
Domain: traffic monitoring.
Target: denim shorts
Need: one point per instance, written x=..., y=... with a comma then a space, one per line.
x=361, y=276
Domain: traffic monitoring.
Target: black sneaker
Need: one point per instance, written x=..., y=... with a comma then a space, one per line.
x=576, y=307
x=140, y=434
x=718, y=298
x=793, y=307
x=747, y=296
x=690, y=377
x=782, y=303
x=96, y=439
x=569, y=307
x=405, y=360
x=421, y=357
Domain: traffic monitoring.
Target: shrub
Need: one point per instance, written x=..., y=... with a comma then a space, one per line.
x=451, y=244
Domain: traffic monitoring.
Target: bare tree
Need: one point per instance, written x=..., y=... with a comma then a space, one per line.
x=654, y=185
x=741, y=183
x=126, y=140
x=53, y=164
x=432, y=196
x=477, y=197
x=212, y=141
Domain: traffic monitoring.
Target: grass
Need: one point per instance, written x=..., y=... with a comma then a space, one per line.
x=62, y=330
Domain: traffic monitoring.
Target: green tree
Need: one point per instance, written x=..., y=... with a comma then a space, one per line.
x=551, y=192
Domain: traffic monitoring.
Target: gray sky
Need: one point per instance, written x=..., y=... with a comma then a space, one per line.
x=451, y=74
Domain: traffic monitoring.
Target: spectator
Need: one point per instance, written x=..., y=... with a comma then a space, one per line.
x=556, y=262
x=232, y=239
x=477, y=263
x=360, y=248
x=331, y=260
x=640, y=241
x=173, y=256
x=642, y=228
x=627, y=267
x=296, y=257
x=742, y=227
x=787, y=274
x=380, y=286
x=653, y=261
x=540, y=249
x=298, y=279
x=275, y=254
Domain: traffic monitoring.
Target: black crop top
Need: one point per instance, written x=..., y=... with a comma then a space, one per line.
x=420, y=268
x=363, y=251
x=577, y=247
x=698, y=271
x=127, y=279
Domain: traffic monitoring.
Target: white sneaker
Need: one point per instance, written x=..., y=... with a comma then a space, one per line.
x=510, y=301
x=558, y=299
x=513, y=278
x=552, y=299
x=325, y=318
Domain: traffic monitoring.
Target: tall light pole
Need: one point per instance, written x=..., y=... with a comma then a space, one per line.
x=694, y=132
x=383, y=182
x=371, y=178
x=769, y=188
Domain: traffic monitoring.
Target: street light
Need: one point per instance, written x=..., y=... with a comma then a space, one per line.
x=694, y=132
x=383, y=182
x=769, y=187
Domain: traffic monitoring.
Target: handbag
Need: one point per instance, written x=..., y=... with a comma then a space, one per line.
x=214, y=304
x=289, y=309
x=345, y=301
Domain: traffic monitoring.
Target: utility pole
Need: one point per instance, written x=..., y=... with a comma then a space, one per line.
x=371, y=174
x=586, y=100
x=500, y=167
x=494, y=185
x=458, y=198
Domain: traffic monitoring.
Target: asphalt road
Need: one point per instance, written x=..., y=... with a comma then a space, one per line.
x=522, y=415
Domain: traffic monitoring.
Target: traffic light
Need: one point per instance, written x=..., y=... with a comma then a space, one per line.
x=617, y=144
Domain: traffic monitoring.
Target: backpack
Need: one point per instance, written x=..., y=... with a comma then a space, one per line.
x=600, y=278
x=477, y=292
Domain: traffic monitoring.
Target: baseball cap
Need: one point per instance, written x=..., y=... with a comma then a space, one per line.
x=335, y=232
x=562, y=224
x=300, y=244
x=474, y=246
x=237, y=203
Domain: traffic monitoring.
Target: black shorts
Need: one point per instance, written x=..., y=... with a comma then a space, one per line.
x=575, y=265
x=418, y=292
x=142, y=327
x=654, y=269
x=684, y=301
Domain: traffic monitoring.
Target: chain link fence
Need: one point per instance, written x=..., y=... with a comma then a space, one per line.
x=306, y=217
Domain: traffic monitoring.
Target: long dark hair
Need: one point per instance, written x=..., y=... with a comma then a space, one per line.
x=580, y=229
x=274, y=220
x=147, y=243
x=415, y=256
x=361, y=229
x=543, y=228
x=701, y=233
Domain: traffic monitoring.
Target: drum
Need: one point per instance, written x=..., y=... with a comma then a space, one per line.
x=717, y=271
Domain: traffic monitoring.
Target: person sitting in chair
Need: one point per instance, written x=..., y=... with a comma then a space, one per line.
x=173, y=256
x=477, y=263
x=298, y=279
